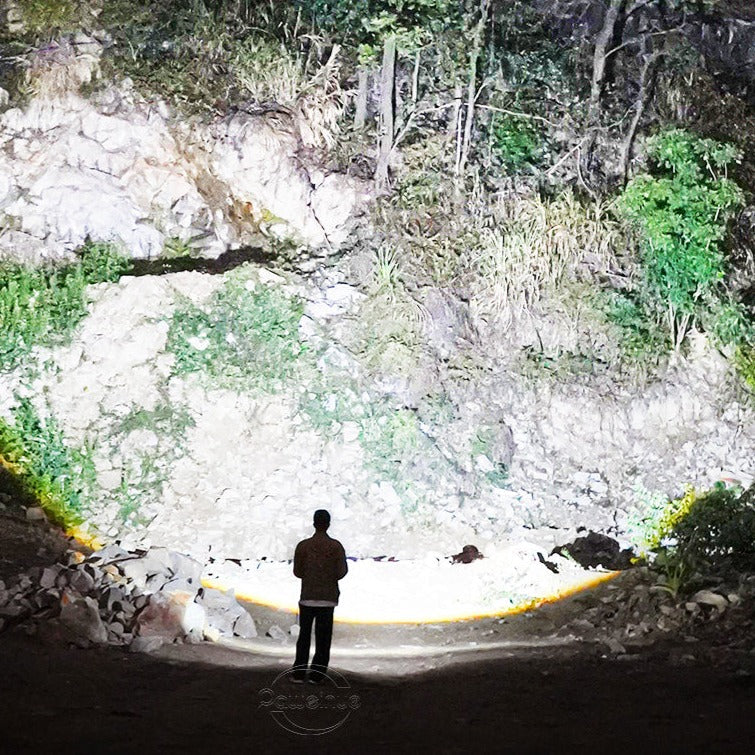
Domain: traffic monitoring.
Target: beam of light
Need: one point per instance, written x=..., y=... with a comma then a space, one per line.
x=438, y=616
x=392, y=592
x=413, y=592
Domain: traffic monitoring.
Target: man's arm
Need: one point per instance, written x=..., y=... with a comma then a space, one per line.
x=299, y=561
x=342, y=567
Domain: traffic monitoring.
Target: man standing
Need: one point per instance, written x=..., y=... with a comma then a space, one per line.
x=319, y=561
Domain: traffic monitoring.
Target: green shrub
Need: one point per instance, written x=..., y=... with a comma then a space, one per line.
x=43, y=306
x=51, y=16
x=514, y=142
x=744, y=361
x=682, y=213
x=640, y=338
x=61, y=479
x=714, y=535
x=246, y=336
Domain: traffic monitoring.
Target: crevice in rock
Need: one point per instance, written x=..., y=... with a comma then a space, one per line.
x=230, y=259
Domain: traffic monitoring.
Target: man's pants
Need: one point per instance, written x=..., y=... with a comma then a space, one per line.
x=323, y=621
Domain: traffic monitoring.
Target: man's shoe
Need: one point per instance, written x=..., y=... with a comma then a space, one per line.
x=297, y=680
x=315, y=680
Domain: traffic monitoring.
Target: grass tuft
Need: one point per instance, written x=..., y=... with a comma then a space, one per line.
x=43, y=306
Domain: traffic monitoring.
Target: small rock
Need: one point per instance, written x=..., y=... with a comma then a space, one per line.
x=81, y=581
x=244, y=627
x=276, y=633
x=81, y=618
x=595, y=550
x=614, y=645
x=49, y=576
x=109, y=554
x=709, y=598
x=145, y=644
x=468, y=554
x=35, y=514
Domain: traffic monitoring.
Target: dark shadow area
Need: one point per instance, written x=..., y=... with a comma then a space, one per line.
x=13, y=491
x=213, y=265
x=57, y=699
x=23, y=543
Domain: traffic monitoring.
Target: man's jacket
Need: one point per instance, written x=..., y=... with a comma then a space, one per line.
x=320, y=561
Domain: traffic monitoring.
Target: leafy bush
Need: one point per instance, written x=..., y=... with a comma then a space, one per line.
x=52, y=16
x=59, y=478
x=245, y=337
x=744, y=360
x=640, y=338
x=682, y=213
x=44, y=306
x=708, y=534
x=362, y=22
x=514, y=142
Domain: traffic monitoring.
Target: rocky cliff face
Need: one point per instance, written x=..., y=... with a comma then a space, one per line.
x=231, y=455
x=116, y=168
x=198, y=435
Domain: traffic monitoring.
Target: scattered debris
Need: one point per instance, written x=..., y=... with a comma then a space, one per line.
x=137, y=599
x=596, y=550
x=548, y=564
x=468, y=554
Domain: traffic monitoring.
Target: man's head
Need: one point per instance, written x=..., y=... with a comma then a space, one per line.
x=321, y=520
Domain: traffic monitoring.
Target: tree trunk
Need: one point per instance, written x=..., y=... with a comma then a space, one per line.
x=463, y=151
x=453, y=121
x=363, y=82
x=643, y=96
x=387, y=96
x=603, y=40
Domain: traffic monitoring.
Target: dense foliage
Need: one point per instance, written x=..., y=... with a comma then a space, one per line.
x=706, y=534
x=683, y=211
x=246, y=336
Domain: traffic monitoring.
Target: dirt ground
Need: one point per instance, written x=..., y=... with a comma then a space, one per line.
x=59, y=699
x=524, y=696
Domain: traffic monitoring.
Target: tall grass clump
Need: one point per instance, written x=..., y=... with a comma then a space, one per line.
x=530, y=248
x=47, y=17
x=43, y=306
x=203, y=56
x=59, y=478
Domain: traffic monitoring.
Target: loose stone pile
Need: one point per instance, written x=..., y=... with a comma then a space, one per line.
x=636, y=611
x=135, y=599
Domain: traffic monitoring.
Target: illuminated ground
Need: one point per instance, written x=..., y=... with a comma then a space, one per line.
x=412, y=467
x=417, y=590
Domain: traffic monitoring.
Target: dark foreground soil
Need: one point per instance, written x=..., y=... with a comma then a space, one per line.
x=56, y=699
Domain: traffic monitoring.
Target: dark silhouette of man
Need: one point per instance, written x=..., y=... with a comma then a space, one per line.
x=319, y=561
